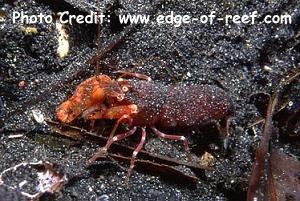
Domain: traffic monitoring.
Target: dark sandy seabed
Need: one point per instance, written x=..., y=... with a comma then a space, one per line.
x=246, y=60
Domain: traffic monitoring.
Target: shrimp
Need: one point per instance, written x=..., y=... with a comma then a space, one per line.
x=147, y=104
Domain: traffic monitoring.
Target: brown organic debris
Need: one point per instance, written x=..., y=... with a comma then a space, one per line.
x=148, y=160
x=270, y=173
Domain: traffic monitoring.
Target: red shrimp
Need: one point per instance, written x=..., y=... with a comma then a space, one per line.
x=146, y=103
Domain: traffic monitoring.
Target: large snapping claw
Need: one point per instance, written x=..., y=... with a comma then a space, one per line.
x=89, y=93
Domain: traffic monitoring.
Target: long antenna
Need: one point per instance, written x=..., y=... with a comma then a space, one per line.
x=97, y=71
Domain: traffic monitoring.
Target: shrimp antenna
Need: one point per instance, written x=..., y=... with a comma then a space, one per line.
x=97, y=71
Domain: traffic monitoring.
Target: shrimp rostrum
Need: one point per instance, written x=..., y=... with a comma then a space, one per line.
x=142, y=103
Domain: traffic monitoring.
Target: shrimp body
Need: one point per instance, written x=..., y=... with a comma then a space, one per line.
x=142, y=104
x=177, y=106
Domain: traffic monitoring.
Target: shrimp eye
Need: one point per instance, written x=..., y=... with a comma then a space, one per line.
x=124, y=89
x=120, y=97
